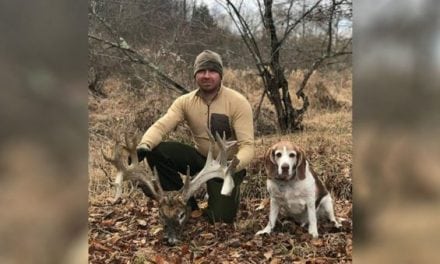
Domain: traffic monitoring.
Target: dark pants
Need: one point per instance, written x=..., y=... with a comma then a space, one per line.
x=169, y=158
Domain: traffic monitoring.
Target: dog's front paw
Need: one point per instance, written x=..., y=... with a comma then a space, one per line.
x=314, y=235
x=337, y=224
x=266, y=230
x=313, y=232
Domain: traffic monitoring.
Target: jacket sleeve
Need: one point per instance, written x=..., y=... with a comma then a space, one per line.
x=165, y=124
x=244, y=130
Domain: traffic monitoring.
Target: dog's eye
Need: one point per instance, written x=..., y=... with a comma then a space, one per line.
x=292, y=155
x=278, y=155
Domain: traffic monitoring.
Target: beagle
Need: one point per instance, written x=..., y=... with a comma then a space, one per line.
x=294, y=188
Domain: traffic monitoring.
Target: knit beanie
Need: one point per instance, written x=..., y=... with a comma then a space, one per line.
x=208, y=60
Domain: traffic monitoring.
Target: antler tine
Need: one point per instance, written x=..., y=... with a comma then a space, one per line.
x=130, y=146
x=212, y=169
x=151, y=181
x=211, y=146
x=132, y=172
x=115, y=159
x=118, y=186
x=158, y=195
x=229, y=144
x=217, y=168
x=187, y=180
x=211, y=137
x=232, y=165
x=224, y=146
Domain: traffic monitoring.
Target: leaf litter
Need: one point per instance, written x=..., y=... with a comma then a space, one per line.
x=130, y=232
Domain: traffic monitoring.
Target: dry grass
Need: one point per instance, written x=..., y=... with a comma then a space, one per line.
x=326, y=136
x=326, y=139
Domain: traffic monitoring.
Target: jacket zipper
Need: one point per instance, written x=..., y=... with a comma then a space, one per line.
x=209, y=110
x=209, y=125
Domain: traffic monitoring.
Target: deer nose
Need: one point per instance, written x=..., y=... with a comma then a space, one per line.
x=172, y=241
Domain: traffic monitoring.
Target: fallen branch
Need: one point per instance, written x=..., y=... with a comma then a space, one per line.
x=129, y=52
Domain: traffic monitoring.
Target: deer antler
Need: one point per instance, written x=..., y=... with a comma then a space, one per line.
x=224, y=147
x=214, y=168
x=134, y=171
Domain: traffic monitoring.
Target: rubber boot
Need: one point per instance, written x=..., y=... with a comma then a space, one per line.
x=223, y=208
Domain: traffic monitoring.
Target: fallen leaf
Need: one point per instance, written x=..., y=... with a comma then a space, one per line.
x=184, y=249
x=207, y=235
x=203, y=205
x=113, y=201
x=349, y=247
x=268, y=255
x=100, y=246
x=305, y=237
x=156, y=230
x=141, y=222
x=110, y=222
x=159, y=259
x=235, y=254
x=262, y=204
x=196, y=213
x=317, y=242
x=275, y=261
x=115, y=238
x=235, y=242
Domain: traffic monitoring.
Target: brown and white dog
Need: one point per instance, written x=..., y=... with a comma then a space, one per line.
x=295, y=189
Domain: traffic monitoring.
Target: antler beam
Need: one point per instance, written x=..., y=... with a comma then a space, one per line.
x=133, y=172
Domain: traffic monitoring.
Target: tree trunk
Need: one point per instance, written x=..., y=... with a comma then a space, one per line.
x=276, y=81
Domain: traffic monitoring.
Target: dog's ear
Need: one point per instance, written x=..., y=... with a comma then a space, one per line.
x=269, y=161
x=301, y=164
x=272, y=156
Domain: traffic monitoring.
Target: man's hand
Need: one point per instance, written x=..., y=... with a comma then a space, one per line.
x=142, y=151
x=233, y=164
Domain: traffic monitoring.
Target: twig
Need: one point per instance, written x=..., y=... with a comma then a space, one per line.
x=133, y=55
x=258, y=110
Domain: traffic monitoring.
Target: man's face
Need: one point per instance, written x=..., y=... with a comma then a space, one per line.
x=208, y=80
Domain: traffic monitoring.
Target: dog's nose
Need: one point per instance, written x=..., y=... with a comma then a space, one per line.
x=285, y=167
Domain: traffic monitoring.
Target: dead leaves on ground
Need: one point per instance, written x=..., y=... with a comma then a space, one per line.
x=130, y=232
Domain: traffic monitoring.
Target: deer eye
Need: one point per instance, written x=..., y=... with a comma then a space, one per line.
x=292, y=155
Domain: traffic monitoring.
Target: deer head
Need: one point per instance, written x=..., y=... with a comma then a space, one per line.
x=173, y=209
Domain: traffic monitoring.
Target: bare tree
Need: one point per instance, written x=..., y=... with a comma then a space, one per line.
x=129, y=53
x=161, y=35
x=270, y=68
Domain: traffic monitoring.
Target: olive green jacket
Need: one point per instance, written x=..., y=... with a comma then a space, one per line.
x=229, y=113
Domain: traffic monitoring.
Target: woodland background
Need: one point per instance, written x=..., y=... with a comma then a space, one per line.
x=45, y=131
x=126, y=95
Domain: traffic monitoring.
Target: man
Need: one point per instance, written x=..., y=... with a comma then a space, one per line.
x=212, y=106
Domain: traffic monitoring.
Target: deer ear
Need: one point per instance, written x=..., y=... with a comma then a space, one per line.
x=301, y=164
x=181, y=199
x=159, y=192
x=186, y=183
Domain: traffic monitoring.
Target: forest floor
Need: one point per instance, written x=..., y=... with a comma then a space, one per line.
x=130, y=232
